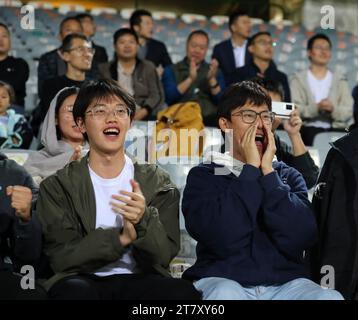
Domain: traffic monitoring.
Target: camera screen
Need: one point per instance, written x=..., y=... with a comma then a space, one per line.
x=289, y=106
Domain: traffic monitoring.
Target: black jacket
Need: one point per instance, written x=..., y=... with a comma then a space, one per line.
x=157, y=53
x=15, y=71
x=304, y=163
x=335, y=203
x=250, y=71
x=223, y=52
x=19, y=241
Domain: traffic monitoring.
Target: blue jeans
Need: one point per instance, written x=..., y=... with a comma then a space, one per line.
x=215, y=288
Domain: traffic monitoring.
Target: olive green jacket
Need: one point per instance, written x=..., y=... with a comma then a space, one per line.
x=67, y=211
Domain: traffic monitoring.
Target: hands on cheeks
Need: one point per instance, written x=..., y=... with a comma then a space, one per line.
x=269, y=153
x=250, y=150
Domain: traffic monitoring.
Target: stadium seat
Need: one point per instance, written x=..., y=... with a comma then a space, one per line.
x=11, y=3
x=190, y=17
x=160, y=15
x=219, y=20
x=96, y=11
x=67, y=8
x=40, y=4
x=18, y=155
x=126, y=13
x=322, y=142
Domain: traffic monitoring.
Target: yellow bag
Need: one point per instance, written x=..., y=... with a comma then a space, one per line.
x=179, y=131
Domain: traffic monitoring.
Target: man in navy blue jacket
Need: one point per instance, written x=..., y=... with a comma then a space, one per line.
x=260, y=45
x=249, y=214
x=233, y=53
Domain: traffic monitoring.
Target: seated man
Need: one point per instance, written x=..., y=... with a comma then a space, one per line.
x=78, y=53
x=260, y=45
x=141, y=21
x=252, y=219
x=110, y=224
x=296, y=155
x=323, y=96
x=137, y=76
x=233, y=53
x=20, y=231
x=193, y=79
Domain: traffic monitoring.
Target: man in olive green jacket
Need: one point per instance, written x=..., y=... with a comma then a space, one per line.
x=110, y=224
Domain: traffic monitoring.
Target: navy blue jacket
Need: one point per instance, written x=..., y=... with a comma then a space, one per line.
x=224, y=53
x=250, y=71
x=252, y=229
x=157, y=53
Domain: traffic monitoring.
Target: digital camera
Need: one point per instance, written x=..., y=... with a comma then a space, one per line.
x=282, y=109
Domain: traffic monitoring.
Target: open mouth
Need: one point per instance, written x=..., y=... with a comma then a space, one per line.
x=112, y=132
x=259, y=138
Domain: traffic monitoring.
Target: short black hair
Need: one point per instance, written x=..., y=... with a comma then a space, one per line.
x=315, y=37
x=10, y=90
x=84, y=15
x=196, y=32
x=67, y=41
x=93, y=91
x=136, y=17
x=5, y=27
x=123, y=31
x=68, y=19
x=65, y=93
x=238, y=94
x=236, y=15
x=270, y=85
x=257, y=34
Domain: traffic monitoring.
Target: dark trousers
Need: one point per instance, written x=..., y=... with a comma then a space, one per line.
x=10, y=288
x=123, y=287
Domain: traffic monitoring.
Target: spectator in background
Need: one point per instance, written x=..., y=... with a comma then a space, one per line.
x=323, y=97
x=296, y=155
x=89, y=30
x=355, y=105
x=20, y=231
x=141, y=22
x=51, y=64
x=260, y=45
x=335, y=203
x=138, y=77
x=14, y=71
x=233, y=53
x=250, y=214
x=77, y=53
x=61, y=138
x=111, y=225
x=193, y=79
x=15, y=132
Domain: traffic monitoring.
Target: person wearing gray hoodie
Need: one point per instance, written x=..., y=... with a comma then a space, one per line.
x=61, y=138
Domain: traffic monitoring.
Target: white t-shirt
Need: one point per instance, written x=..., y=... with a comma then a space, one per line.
x=239, y=54
x=319, y=87
x=106, y=218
